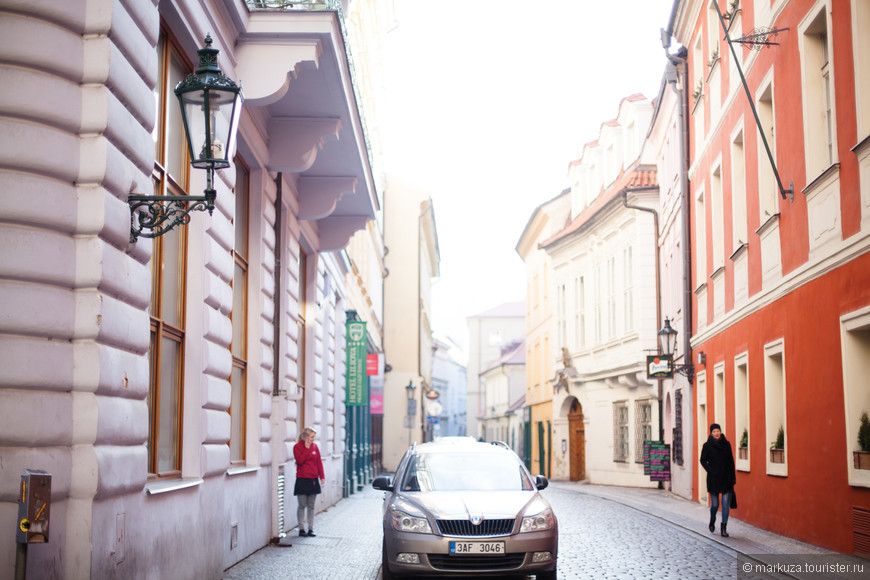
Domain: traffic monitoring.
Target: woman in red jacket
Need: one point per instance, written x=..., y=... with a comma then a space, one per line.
x=309, y=477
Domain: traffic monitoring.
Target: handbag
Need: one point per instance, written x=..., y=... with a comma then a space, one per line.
x=733, y=503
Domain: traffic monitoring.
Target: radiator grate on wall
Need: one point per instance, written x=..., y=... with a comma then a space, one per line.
x=861, y=530
x=280, y=503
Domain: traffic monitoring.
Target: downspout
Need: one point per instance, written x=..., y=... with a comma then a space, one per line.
x=679, y=64
x=276, y=322
x=655, y=215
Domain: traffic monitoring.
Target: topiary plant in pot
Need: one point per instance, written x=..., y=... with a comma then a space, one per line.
x=862, y=457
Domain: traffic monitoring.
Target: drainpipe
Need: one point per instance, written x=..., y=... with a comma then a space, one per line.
x=678, y=85
x=276, y=322
x=655, y=215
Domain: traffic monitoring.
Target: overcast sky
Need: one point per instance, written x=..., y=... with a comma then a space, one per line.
x=487, y=103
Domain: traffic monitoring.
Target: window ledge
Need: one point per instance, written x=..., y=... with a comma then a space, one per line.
x=741, y=249
x=861, y=145
x=768, y=224
x=171, y=485
x=822, y=180
x=242, y=469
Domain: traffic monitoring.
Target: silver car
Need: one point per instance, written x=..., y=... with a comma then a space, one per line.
x=459, y=507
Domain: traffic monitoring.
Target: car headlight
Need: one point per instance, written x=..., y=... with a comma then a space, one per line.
x=407, y=523
x=544, y=520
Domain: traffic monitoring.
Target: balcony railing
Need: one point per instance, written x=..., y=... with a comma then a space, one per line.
x=331, y=5
x=293, y=5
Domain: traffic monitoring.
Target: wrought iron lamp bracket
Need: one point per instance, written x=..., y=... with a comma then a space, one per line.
x=154, y=215
x=756, y=41
x=687, y=370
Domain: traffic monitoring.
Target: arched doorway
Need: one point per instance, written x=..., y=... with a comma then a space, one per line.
x=577, y=444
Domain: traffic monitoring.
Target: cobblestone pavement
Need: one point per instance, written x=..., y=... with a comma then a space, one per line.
x=604, y=533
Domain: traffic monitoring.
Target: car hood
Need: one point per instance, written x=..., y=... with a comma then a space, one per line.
x=460, y=505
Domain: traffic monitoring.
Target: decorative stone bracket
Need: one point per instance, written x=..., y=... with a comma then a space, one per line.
x=295, y=141
x=319, y=196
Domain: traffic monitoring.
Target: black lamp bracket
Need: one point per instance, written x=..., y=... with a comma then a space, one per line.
x=154, y=215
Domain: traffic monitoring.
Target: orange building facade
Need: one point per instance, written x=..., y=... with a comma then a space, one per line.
x=780, y=262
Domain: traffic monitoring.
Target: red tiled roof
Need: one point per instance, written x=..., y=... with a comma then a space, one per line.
x=636, y=177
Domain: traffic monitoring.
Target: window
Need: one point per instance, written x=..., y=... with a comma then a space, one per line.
x=678, y=427
x=861, y=50
x=562, y=315
x=855, y=344
x=599, y=306
x=168, y=275
x=738, y=191
x=767, y=188
x=719, y=399
x=717, y=215
x=774, y=405
x=820, y=134
x=579, y=313
x=642, y=427
x=239, y=374
x=741, y=408
x=628, y=289
x=620, y=431
x=301, y=329
x=611, y=297
x=700, y=240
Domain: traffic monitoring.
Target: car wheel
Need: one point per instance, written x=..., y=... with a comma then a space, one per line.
x=385, y=569
x=548, y=575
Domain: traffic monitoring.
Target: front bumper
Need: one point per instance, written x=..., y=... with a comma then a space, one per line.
x=434, y=557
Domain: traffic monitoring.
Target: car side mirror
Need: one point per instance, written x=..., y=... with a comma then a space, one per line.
x=541, y=482
x=383, y=483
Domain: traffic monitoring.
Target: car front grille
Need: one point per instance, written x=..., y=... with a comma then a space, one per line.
x=473, y=563
x=484, y=528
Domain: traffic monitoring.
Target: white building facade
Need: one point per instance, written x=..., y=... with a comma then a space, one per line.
x=606, y=306
x=163, y=383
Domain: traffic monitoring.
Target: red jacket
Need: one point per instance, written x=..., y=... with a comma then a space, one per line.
x=308, y=462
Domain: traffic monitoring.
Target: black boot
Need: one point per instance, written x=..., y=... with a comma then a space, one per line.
x=725, y=531
x=713, y=524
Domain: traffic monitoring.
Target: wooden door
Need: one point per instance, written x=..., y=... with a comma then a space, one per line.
x=577, y=443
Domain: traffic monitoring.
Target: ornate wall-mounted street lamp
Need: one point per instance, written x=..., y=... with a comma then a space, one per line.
x=210, y=107
x=668, y=342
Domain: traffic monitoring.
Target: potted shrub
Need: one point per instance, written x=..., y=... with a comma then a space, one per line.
x=777, y=448
x=862, y=457
x=743, y=449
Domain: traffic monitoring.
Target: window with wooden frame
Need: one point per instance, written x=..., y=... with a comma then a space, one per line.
x=818, y=91
x=301, y=330
x=239, y=373
x=168, y=274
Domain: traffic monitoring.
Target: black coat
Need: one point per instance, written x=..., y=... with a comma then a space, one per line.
x=718, y=460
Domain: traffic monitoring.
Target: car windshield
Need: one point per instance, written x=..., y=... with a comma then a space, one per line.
x=465, y=472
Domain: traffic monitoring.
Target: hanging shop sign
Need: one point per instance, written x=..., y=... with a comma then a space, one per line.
x=357, y=393
x=658, y=366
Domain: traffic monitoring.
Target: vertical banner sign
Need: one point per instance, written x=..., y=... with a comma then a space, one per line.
x=376, y=385
x=356, y=364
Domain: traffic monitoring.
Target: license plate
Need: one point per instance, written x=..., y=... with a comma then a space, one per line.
x=492, y=548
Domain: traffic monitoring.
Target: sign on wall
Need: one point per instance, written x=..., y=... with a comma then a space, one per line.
x=658, y=366
x=658, y=463
x=357, y=393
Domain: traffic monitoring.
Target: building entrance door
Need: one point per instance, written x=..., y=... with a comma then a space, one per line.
x=577, y=444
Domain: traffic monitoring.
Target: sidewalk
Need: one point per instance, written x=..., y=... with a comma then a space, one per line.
x=693, y=517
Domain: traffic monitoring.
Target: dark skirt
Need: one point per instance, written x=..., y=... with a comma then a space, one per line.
x=307, y=486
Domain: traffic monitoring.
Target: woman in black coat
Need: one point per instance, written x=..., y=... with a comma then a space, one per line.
x=718, y=459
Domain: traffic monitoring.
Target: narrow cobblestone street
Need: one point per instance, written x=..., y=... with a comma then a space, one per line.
x=604, y=533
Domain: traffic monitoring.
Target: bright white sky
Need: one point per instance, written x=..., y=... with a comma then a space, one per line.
x=488, y=102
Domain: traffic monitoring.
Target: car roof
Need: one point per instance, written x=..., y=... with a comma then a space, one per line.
x=462, y=445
